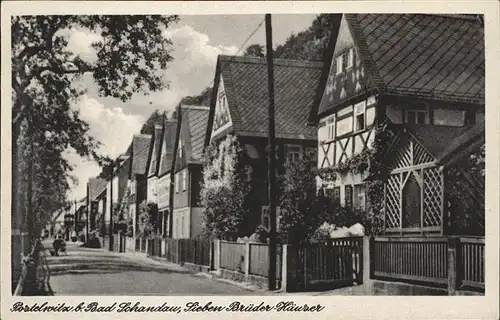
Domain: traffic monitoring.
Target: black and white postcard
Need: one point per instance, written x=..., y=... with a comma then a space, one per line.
x=250, y=158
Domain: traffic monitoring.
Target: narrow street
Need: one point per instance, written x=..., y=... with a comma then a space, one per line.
x=86, y=271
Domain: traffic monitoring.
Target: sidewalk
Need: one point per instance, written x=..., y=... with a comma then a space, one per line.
x=213, y=275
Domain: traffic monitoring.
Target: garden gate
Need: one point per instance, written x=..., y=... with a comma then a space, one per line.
x=325, y=264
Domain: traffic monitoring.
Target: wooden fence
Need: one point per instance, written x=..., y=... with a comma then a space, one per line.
x=195, y=251
x=417, y=259
x=471, y=259
x=325, y=264
x=232, y=256
x=258, y=263
x=454, y=263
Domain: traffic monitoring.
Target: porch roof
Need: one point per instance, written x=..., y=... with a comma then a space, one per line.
x=463, y=144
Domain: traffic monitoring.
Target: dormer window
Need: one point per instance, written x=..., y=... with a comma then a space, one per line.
x=345, y=60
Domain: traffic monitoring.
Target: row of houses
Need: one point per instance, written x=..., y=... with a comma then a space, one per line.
x=421, y=75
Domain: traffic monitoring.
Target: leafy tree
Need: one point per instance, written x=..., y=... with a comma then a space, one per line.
x=203, y=99
x=224, y=192
x=156, y=118
x=300, y=214
x=254, y=50
x=147, y=218
x=309, y=44
x=131, y=55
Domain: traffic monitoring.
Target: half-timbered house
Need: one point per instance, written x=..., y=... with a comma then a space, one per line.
x=423, y=75
x=239, y=107
x=187, y=171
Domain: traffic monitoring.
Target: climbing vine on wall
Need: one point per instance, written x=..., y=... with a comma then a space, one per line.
x=371, y=159
x=224, y=190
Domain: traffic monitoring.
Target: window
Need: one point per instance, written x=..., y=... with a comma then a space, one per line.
x=359, y=197
x=329, y=193
x=348, y=196
x=350, y=58
x=330, y=124
x=179, y=150
x=336, y=194
x=184, y=179
x=182, y=227
x=293, y=155
x=266, y=219
x=359, y=113
x=340, y=68
x=416, y=117
x=345, y=61
x=176, y=182
x=447, y=117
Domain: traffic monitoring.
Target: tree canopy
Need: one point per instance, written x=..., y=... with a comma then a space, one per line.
x=131, y=55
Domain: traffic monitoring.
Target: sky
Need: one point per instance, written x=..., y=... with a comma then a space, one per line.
x=197, y=41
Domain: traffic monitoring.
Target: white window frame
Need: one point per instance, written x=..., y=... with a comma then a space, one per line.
x=184, y=179
x=295, y=152
x=176, y=178
x=179, y=149
x=330, y=125
x=357, y=113
x=265, y=214
x=339, y=62
x=350, y=58
x=416, y=112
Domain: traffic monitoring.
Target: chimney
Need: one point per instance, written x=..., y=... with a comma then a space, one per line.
x=158, y=129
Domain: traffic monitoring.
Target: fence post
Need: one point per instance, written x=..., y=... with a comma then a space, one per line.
x=453, y=259
x=284, y=258
x=368, y=254
x=247, y=259
x=217, y=254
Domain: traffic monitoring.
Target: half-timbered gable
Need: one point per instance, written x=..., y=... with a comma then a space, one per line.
x=408, y=69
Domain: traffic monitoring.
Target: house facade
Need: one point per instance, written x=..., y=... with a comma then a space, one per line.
x=239, y=107
x=418, y=77
x=137, y=192
x=97, y=204
x=187, y=171
x=164, y=176
x=152, y=168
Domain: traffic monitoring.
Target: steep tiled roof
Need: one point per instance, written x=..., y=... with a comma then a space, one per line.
x=428, y=56
x=140, y=151
x=168, y=145
x=155, y=145
x=96, y=187
x=194, y=121
x=246, y=87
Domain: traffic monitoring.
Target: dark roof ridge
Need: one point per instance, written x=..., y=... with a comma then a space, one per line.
x=277, y=61
x=194, y=107
x=142, y=135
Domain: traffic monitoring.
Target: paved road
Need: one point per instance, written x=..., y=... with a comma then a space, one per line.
x=86, y=271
